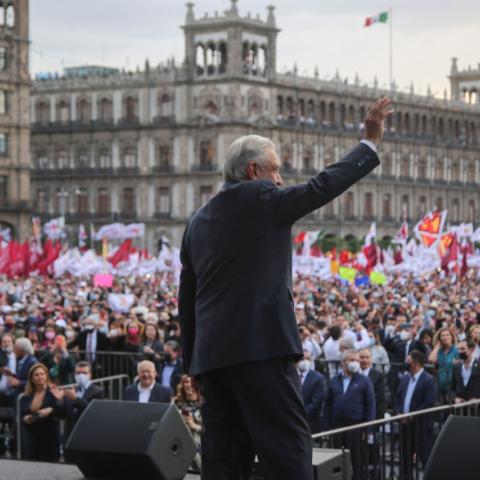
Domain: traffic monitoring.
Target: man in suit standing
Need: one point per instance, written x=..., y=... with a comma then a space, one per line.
x=239, y=333
x=313, y=392
x=75, y=401
x=147, y=390
x=398, y=348
x=416, y=391
x=25, y=360
x=171, y=366
x=90, y=341
x=377, y=379
x=350, y=400
x=466, y=375
x=8, y=367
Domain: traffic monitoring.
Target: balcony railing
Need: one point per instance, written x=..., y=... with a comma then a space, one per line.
x=127, y=170
x=163, y=168
x=129, y=122
x=7, y=205
x=164, y=120
x=205, y=167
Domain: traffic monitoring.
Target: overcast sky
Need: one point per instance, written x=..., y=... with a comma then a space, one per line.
x=327, y=33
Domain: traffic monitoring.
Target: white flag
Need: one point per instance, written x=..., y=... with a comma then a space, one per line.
x=121, y=302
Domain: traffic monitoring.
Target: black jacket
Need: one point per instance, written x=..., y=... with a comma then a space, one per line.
x=235, y=298
x=159, y=394
x=472, y=389
x=73, y=409
x=378, y=382
x=177, y=373
x=80, y=341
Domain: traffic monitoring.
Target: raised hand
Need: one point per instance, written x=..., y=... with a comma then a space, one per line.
x=374, y=122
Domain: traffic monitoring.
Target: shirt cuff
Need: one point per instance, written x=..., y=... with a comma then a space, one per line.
x=370, y=144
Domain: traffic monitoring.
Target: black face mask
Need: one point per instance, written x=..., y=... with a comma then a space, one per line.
x=406, y=366
x=168, y=357
x=463, y=355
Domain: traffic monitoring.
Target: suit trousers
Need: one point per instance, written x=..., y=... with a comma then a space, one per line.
x=255, y=408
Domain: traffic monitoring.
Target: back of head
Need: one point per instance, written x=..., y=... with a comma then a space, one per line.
x=243, y=151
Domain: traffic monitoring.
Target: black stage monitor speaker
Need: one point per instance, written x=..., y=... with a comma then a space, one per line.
x=456, y=451
x=131, y=440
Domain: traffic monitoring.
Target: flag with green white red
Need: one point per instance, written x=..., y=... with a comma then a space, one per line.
x=380, y=18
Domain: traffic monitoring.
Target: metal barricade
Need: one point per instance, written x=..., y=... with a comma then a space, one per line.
x=395, y=448
x=113, y=387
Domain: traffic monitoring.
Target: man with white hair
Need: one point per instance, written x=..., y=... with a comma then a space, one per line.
x=147, y=390
x=238, y=326
x=90, y=340
x=25, y=359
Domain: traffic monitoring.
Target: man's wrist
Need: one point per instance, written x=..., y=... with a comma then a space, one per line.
x=369, y=143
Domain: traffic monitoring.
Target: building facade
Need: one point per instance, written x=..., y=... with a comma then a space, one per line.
x=15, y=83
x=149, y=146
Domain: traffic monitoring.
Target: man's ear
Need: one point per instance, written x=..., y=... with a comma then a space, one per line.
x=252, y=171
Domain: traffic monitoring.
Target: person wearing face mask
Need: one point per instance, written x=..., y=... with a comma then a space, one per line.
x=77, y=399
x=416, y=391
x=313, y=392
x=350, y=400
x=398, y=347
x=171, y=367
x=466, y=374
x=90, y=340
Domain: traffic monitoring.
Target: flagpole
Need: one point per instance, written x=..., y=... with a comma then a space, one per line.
x=391, y=47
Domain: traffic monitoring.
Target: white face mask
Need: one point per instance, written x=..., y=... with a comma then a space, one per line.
x=81, y=379
x=353, y=367
x=404, y=335
x=303, y=365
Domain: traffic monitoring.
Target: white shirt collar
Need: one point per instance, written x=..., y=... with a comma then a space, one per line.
x=148, y=389
x=417, y=375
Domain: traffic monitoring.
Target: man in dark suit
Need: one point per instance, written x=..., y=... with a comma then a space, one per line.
x=313, y=392
x=350, y=400
x=171, y=366
x=416, y=391
x=398, y=347
x=25, y=360
x=75, y=401
x=239, y=333
x=90, y=341
x=147, y=390
x=377, y=379
x=466, y=375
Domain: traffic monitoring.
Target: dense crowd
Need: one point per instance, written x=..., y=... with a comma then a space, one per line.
x=406, y=346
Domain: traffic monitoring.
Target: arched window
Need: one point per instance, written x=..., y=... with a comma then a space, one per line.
x=439, y=203
x=349, y=203
x=165, y=106
x=131, y=109
x=387, y=206
x=405, y=205
x=387, y=166
x=439, y=169
x=129, y=157
x=368, y=205
x=455, y=210
x=311, y=109
x=331, y=113
x=323, y=112
x=63, y=160
x=406, y=124
x=105, y=110
x=103, y=201
x=83, y=160
x=164, y=157
x=471, y=173
x=471, y=213
x=43, y=113
x=200, y=59
x=422, y=207
x=10, y=16
x=289, y=107
x=42, y=201
x=405, y=167
x=301, y=107
x=2, y=15
x=206, y=155
x=212, y=108
x=104, y=158
x=279, y=105
x=422, y=169
x=3, y=102
x=455, y=172
x=63, y=112
x=83, y=113
x=82, y=201
x=307, y=160
x=42, y=160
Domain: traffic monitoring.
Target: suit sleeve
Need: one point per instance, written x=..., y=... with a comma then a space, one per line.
x=370, y=401
x=186, y=304
x=292, y=203
x=315, y=406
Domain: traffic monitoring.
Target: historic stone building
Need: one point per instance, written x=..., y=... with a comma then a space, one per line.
x=15, y=208
x=149, y=145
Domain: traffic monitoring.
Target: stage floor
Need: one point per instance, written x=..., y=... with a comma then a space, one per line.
x=21, y=470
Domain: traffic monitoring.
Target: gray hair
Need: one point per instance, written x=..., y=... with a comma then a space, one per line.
x=346, y=343
x=243, y=151
x=25, y=345
x=346, y=354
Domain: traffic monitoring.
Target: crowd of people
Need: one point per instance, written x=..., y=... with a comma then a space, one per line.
x=368, y=350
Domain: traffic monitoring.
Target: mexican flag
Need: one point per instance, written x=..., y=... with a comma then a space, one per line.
x=380, y=18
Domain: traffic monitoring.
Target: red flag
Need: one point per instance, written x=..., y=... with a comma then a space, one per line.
x=123, y=253
x=50, y=253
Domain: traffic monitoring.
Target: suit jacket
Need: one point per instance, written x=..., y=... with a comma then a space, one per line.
x=378, y=382
x=396, y=348
x=22, y=373
x=159, y=394
x=424, y=394
x=74, y=408
x=356, y=405
x=235, y=298
x=313, y=392
x=80, y=341
x=472, y=389
x=177, y=373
